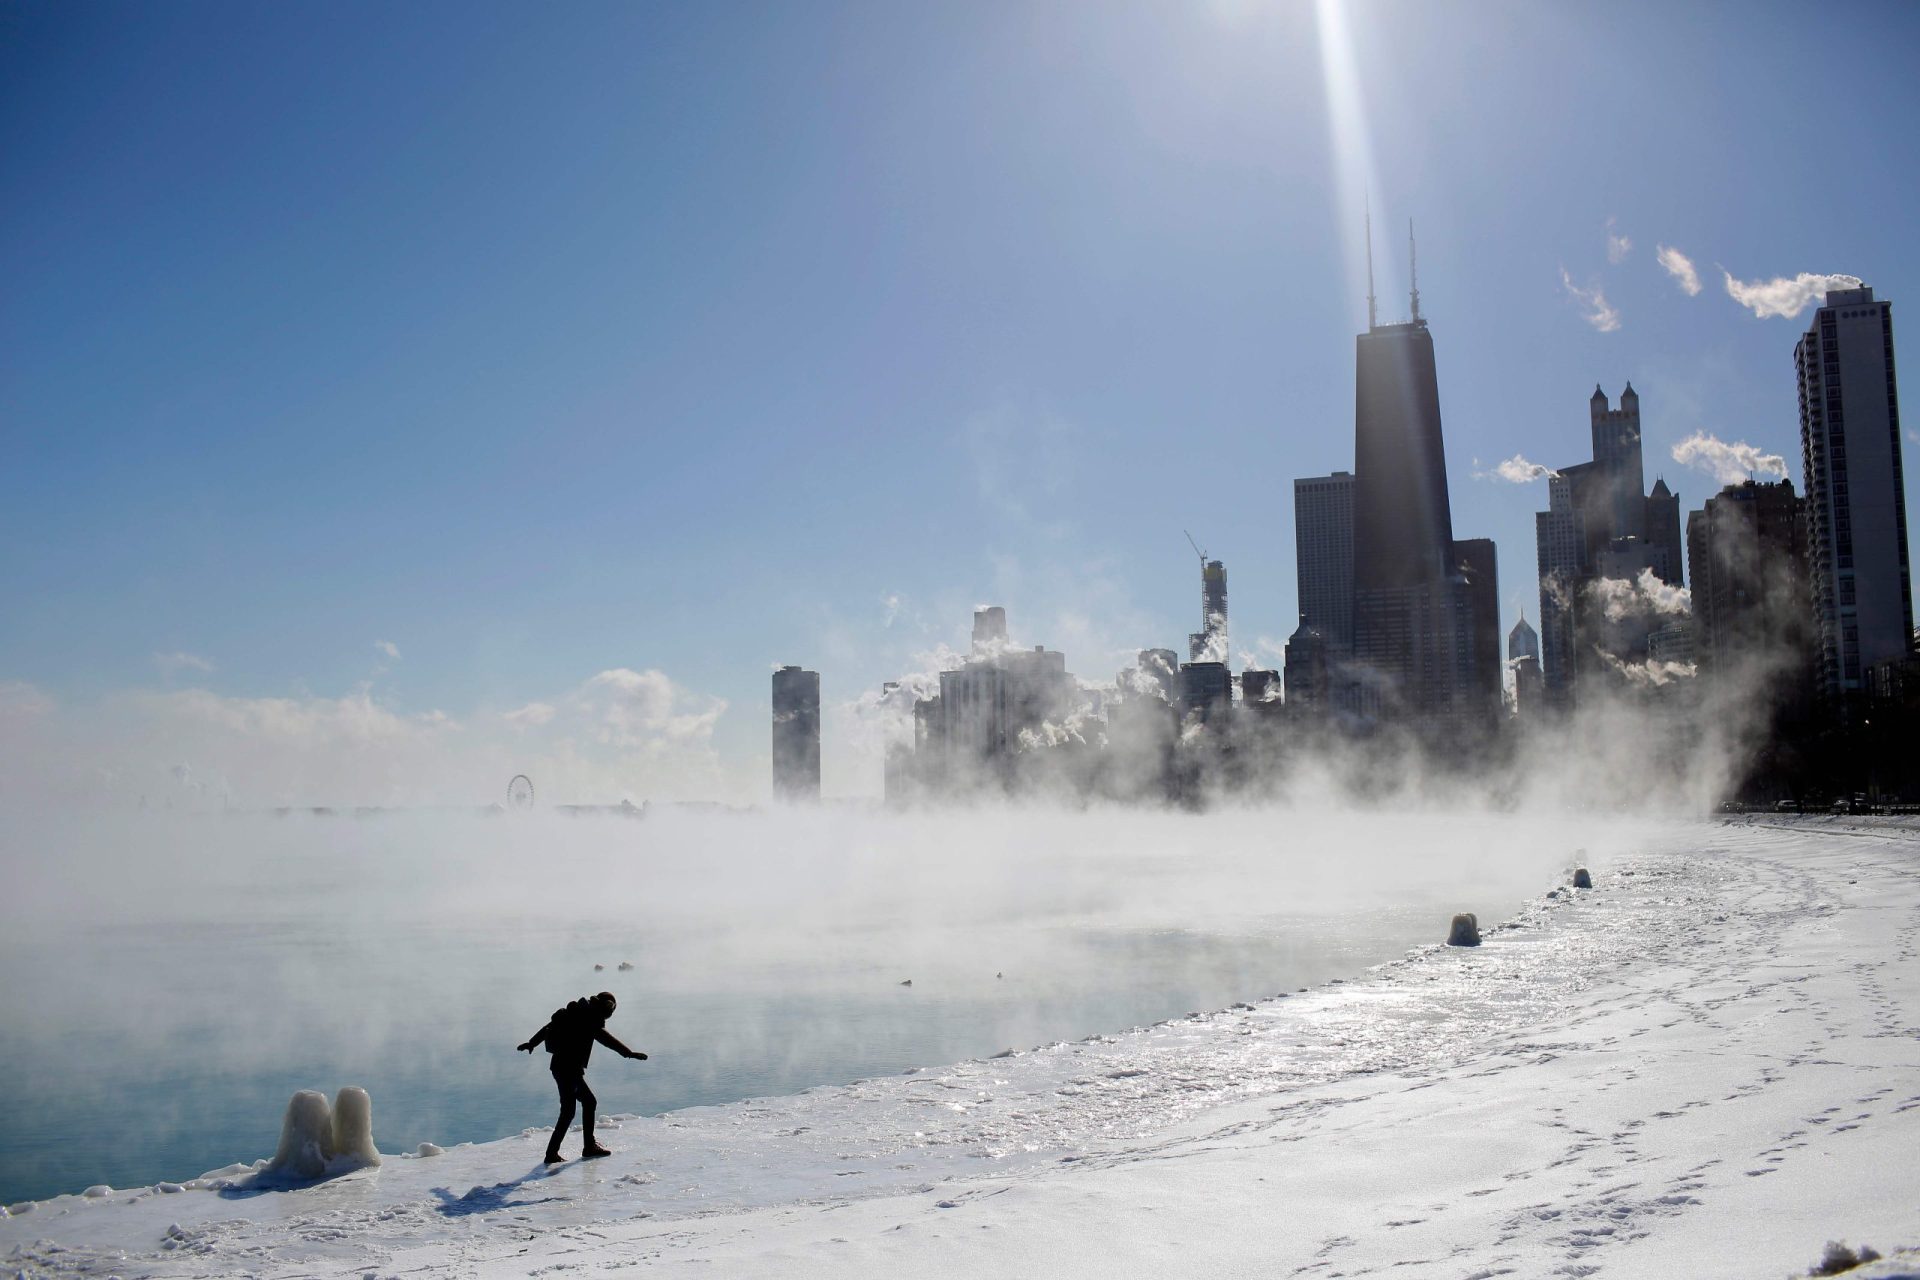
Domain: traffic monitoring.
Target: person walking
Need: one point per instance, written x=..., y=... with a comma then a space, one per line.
x=569, y=1036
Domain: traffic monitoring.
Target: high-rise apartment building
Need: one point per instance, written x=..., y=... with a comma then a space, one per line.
x=1323, y=555
x=1747, y=556
x=1856, y=514
x=796, y=734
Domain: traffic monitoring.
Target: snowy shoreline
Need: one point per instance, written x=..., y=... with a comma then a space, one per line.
x=1577, y=1096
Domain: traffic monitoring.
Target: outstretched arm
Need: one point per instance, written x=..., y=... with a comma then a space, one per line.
x=606, y=1038
x=538, y=1036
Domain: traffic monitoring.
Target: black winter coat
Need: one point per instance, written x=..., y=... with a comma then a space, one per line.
x=570, y=1033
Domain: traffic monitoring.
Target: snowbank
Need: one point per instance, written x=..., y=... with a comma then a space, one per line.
x=1651, y=1077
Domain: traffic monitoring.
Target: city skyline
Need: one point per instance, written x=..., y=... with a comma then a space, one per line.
x=358, y=527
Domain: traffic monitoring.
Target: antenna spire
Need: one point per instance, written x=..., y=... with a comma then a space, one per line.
x=1373, y=313
x=1413, y=271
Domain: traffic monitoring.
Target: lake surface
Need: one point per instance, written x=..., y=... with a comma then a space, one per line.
x=170, y=982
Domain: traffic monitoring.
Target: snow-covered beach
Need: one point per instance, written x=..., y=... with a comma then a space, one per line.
x=1707, y=1065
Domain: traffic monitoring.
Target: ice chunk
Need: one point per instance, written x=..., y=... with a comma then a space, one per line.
x=429, y=1149
x=98, y=1191
x=1581, y=880
x=353, y=1131
x=318, y=1141
x=306, y=1137
x=1465, y=931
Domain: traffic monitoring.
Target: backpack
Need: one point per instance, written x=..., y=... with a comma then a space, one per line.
x=568, y=1019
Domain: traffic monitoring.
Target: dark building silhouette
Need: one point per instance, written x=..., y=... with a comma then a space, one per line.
x=1308, y=672
x=1206, y=693
x=1752, y=620
x=1323, y=555
x=1258, y=686
x=796, y=734
x=1663, y=533
x=1476, y=568
x=1209, y=644
x=1523, y=656
x=1617, y=457
x=1855, y=495
x=1599, y=525
x=1426, y=639
x=1402, y=524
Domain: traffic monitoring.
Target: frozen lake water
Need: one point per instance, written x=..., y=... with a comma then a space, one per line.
x=171, y=981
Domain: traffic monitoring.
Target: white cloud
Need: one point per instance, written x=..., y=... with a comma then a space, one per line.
x=532, y=715
x=1680, y=267
x=172, y=664
x=1618, y=246
x=1784, y=297
x=641, y=708
x=20, y=701
x=1727, y=462
x=389, y=648
x=1599, y=312
x=1516, y=470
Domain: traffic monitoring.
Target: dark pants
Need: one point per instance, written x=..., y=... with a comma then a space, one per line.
x=573, y=1086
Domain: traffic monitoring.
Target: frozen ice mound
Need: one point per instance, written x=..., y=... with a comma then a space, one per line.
x=318, y=1141
x=1465, y=930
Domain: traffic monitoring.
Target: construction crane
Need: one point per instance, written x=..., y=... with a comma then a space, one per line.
x=1196, y=549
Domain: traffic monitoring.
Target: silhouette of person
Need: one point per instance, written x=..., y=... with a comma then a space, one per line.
x=569, y=1037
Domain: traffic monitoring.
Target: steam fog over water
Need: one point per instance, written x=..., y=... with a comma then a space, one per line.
x=170, y=981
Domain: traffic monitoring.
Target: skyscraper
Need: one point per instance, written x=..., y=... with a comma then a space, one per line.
x=989, y=628
x=1402, y=524
x=1751, y=614
x=1425, y=608
x=1616, y=451
x=1598, y=524
x=1323, y=555
x=1307, y=673
x=1209, y=643
x=1663, y=533
x=1523, y=642
x=1855, y=493
x=1523, y=656
x=796, y=734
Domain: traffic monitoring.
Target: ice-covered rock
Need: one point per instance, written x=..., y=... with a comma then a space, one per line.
x=1465, y=930
x=98, y=1191
x=353, y=1129
x=430, y=1149
x=318, y=1141
x=306, y=1137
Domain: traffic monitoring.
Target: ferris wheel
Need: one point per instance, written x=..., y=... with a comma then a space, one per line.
x=520, y=792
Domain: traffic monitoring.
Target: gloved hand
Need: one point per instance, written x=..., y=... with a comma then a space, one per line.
x=527, y=1047
x=639, y=1057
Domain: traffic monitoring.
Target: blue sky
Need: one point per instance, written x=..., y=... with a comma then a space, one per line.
x=686, y=340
